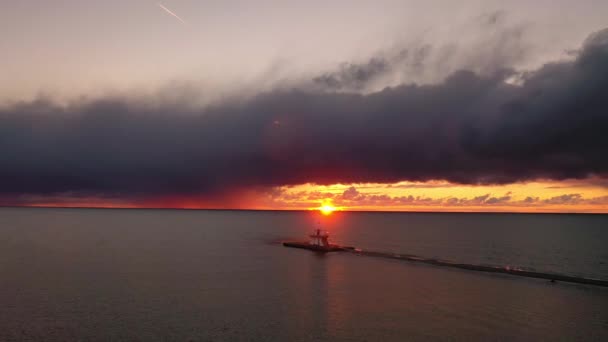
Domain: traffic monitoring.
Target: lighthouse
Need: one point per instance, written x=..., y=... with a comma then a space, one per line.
x=319, y=239
x=319, y=242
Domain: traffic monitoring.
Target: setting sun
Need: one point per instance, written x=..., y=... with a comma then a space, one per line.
x=327, y=209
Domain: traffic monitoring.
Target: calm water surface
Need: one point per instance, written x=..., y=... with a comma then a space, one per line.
x=152, y=275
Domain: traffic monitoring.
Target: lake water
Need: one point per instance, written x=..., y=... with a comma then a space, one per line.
x=180, y=275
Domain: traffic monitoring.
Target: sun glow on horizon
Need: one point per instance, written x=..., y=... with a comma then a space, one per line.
x=327, y=209
x=569, y=196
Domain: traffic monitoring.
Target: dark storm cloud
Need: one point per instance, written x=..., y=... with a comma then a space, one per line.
x=494, y=42
x=354, y=76
x=471, y=129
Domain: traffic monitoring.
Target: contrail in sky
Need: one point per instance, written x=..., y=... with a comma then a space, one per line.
x=171, y=13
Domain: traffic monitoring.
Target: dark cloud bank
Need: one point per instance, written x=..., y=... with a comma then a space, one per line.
x=470, y=129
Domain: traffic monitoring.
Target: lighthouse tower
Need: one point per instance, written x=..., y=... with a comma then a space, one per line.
x=320, y=239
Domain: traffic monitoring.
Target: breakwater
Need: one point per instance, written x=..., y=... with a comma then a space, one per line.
x=481, y=268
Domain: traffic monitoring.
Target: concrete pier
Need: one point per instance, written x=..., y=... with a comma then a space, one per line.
x=553, y=277
x=314, y=247
x=481, y=268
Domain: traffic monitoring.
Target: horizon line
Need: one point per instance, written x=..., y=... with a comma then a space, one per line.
x=307, y=210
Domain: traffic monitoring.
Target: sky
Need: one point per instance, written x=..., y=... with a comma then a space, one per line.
x=362, y=105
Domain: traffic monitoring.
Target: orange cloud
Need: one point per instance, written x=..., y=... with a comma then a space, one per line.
x=440, y=196
x=566, y=196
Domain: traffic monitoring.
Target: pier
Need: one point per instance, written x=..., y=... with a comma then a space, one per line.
x=482, y=268
x=319, y=242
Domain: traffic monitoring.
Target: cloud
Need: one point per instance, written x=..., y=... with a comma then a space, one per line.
x=350, y=193
x=354, y=76
x=565, y=199
x=425, y=185
x=473, y=128
x=353, y=198
x=485, y=46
